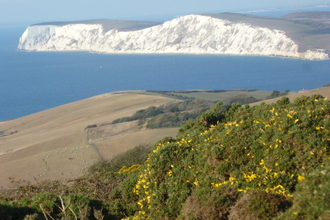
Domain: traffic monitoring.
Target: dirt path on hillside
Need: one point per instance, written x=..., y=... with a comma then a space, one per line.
x=97, y=150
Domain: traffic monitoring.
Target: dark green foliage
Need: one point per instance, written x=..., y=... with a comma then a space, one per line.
x=277, y=93
x=169, y=115
x=91, y=126
x=141, y=114
x=283, y=101
x=194, y=104
x=169, y=120
x=205, y=205
x=123, y=199
x=311, y=199
x=8, y=211
x=259, y=205
x=209, y=118
x=137, y=155
x=241, y=99
x=203, y=121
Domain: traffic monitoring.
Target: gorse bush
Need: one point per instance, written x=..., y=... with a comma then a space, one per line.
x=137, y=155
x=311, y=200
x=264, y=149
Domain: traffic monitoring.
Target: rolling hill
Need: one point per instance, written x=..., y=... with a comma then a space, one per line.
x=53, y=143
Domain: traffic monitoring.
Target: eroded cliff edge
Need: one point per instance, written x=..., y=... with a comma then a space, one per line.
x=191, y=34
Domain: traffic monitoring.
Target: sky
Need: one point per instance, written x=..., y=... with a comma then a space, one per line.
x=36, y=11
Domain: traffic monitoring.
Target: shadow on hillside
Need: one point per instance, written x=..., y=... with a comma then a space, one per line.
x=8, y=212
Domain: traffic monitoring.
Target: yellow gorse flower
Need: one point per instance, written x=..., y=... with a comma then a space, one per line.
x=301, y=178
x=131, y=169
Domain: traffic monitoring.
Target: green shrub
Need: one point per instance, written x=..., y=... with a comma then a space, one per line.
x=205, y=205
x=141, y=114
x=240, y=99
x=169, y=115
x=311, y=200
x=259, y=205
x=169, y=120
x=137, y=155
x=277, y=93
x=91, y=126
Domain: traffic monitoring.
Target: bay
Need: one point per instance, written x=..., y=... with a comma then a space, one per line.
x=35, y=81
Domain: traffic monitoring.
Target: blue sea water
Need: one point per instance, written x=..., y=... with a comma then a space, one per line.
x=35, y=81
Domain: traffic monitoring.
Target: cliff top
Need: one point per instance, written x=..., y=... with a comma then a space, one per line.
x=120, y=25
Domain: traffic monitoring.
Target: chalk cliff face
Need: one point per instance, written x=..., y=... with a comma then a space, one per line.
x=191, y=34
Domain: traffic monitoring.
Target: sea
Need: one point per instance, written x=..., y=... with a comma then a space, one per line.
x=35, y=81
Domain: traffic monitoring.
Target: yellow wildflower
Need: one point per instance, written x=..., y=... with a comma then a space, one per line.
x=301, y=178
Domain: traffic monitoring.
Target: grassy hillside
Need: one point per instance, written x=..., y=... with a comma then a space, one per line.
x=324, y=91
x=318, y=19
x=120, y=25
x=56, y=144
x=269, y=161
x=212, y=95
x=53, y=143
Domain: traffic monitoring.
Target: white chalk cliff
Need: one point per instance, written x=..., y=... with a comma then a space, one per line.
x=191, y=34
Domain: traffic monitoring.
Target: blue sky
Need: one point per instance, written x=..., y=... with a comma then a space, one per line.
x=34, y=11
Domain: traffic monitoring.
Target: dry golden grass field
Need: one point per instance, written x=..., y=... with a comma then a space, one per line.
x=324, y=91
x=54, y=144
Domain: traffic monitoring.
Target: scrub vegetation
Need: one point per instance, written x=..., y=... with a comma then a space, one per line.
x=270, y=161
x=169, y=115
x=177, y=114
